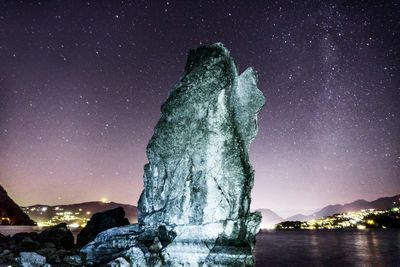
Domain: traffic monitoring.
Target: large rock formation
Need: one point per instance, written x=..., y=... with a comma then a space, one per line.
x=10, y=212
x=194, y=209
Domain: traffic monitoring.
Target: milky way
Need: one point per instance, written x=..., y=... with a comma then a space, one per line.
x=81, y=84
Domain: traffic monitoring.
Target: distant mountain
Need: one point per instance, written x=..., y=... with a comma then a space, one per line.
x=42, y=213
x=300, y=217
x=10, y=212
x=285, y=213
x=378, y=204
x=269, y=218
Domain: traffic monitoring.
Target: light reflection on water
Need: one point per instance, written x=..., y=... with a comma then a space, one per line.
x=329, y=248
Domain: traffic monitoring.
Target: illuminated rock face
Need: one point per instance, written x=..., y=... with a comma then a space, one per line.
x=194, y=209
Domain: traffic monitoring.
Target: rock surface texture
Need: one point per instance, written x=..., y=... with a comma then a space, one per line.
x=194, y=209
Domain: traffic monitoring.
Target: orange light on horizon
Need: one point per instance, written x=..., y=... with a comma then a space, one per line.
x=105, y=200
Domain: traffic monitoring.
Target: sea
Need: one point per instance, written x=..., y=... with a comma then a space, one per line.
x=13, y=229
x=370, y=247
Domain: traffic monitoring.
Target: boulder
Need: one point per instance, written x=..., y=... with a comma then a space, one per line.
x=18, y=237
x=119, y=262
x=59, y=235
x=27, y=244
x=4, y=240
x=49, y=245
x=58, y=256
x=73, y=260
x=46, y=252
x=2, y=237
x=6, y=257
x=31, y=259
x=100, y=222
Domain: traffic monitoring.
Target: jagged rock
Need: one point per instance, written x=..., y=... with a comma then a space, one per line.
x=119, y=262
x=27, y=244
x=18, y=237
x=59, y=235
x=49, y=245
x=5, y=252
x=58, y=256
x=6, y=256
x=31, y=259
x=73, y=260
x=195, y=206
x=131, y=242
x=137, y=258
x=46, y=251
x=5, y=242
x=11, y=211
x=100, y=222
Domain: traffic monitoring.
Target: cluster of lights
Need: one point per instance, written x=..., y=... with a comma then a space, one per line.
x=357, y=219
x=5, y=220
x=74, y=219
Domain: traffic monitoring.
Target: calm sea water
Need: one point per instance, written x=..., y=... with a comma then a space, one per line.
x=313, y=248
x=378, y=247
x=12, y=229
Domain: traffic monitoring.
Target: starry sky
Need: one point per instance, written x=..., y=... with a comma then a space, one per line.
x=81, y=84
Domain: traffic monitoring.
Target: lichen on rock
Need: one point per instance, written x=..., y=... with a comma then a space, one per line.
x=195, y=206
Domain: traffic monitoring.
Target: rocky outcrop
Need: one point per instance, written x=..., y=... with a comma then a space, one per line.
x=59, y=235
x=54, y=246
x=194, y=209
x=10, y=212
x=100, y=222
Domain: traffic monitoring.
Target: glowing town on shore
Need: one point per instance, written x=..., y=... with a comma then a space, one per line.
x=362, y=219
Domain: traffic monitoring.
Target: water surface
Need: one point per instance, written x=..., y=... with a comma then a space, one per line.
x=374, y=247
x=13, y=229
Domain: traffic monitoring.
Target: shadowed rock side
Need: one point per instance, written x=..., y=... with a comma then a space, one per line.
x=100, y=222
x=10, y=212
x=194, y=209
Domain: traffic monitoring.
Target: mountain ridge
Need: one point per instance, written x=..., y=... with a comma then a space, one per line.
x=379, y=203
x=269, y=218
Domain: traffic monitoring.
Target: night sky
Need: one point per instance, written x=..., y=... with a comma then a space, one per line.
x=81, y=84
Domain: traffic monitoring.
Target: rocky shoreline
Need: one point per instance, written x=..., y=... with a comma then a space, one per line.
x=55, y=246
